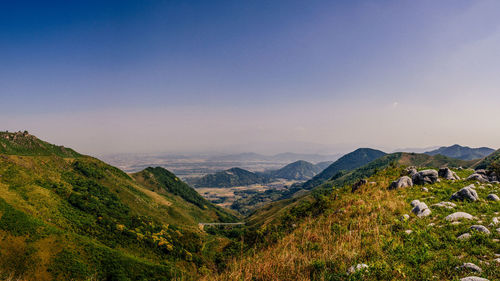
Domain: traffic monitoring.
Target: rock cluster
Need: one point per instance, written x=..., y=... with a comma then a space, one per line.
x=420, y=209
x=404, y=181
x=482, y=175
x=466, y=193
x=425, y=177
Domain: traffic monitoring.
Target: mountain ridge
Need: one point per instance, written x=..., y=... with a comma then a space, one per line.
x=462, y=152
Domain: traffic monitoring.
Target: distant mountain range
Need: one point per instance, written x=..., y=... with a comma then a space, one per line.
x=287, y=157
x=299, y=170
x=462, y=152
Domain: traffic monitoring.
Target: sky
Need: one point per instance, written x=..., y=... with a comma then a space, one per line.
x=264, y=76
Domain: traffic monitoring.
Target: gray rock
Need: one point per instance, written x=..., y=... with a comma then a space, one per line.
x=425, y=189
x=448, y=174
x=408, y=231
x=401, y=182
x=481, y=172
x=469, y=266
x=445, y=204
x=464, y=236
x=425, y=177
x=493, y=197
x=495, y=221
x=420, y=209
x=478, y=177
x=458, y=216
x=498, y=230
x=411, y=171
x=414, y=203
x=480, y=228
x=473, y=278
x=466, y=193
x=356, y=268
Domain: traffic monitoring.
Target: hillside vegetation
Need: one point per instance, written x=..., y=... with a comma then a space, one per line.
x=348, y=162
x=230, y=178
x=76, y=218
x=22, y=143
x=326, y=236
x=299, y=170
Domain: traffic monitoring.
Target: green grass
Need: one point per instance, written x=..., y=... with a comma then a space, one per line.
x=321, y=239
x=105, y=224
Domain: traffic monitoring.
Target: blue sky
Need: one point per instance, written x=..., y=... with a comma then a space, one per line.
x=251, y=75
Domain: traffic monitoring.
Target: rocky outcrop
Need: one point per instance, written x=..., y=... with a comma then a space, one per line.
x=478, y=177
x=493, y=197
x=411, y=171
x=420, y=209
x=404, y=181
x=458, y=216
x=425, y=177
x=466, y=193
x=480, y=228
x=482, y=175
x=469, y=266
x=464, y=236
x=445, y=204
x=448, y=174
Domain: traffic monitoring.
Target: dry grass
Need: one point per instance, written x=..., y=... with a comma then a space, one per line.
x=350, y=233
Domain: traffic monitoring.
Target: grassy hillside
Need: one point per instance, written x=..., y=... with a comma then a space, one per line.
x=67, y=218
x=396, y=159
x=347, y=162
x=22, y=143
x=299, y=170
x=165, y=183
x=230, y=178
x=493, y=160
x=321, y=237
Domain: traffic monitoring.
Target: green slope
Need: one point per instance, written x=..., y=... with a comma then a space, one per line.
x=341, y=179
x=190, y=202
x=67, y=218
x=22, y=143
x=299, y=170
x=320, y=238
x=230, y=178
x=348, y=162
x=491, y=161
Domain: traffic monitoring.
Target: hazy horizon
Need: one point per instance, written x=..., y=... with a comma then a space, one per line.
x=266, y=77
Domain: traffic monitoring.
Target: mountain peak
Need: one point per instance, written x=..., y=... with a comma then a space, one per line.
x=25, y=144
